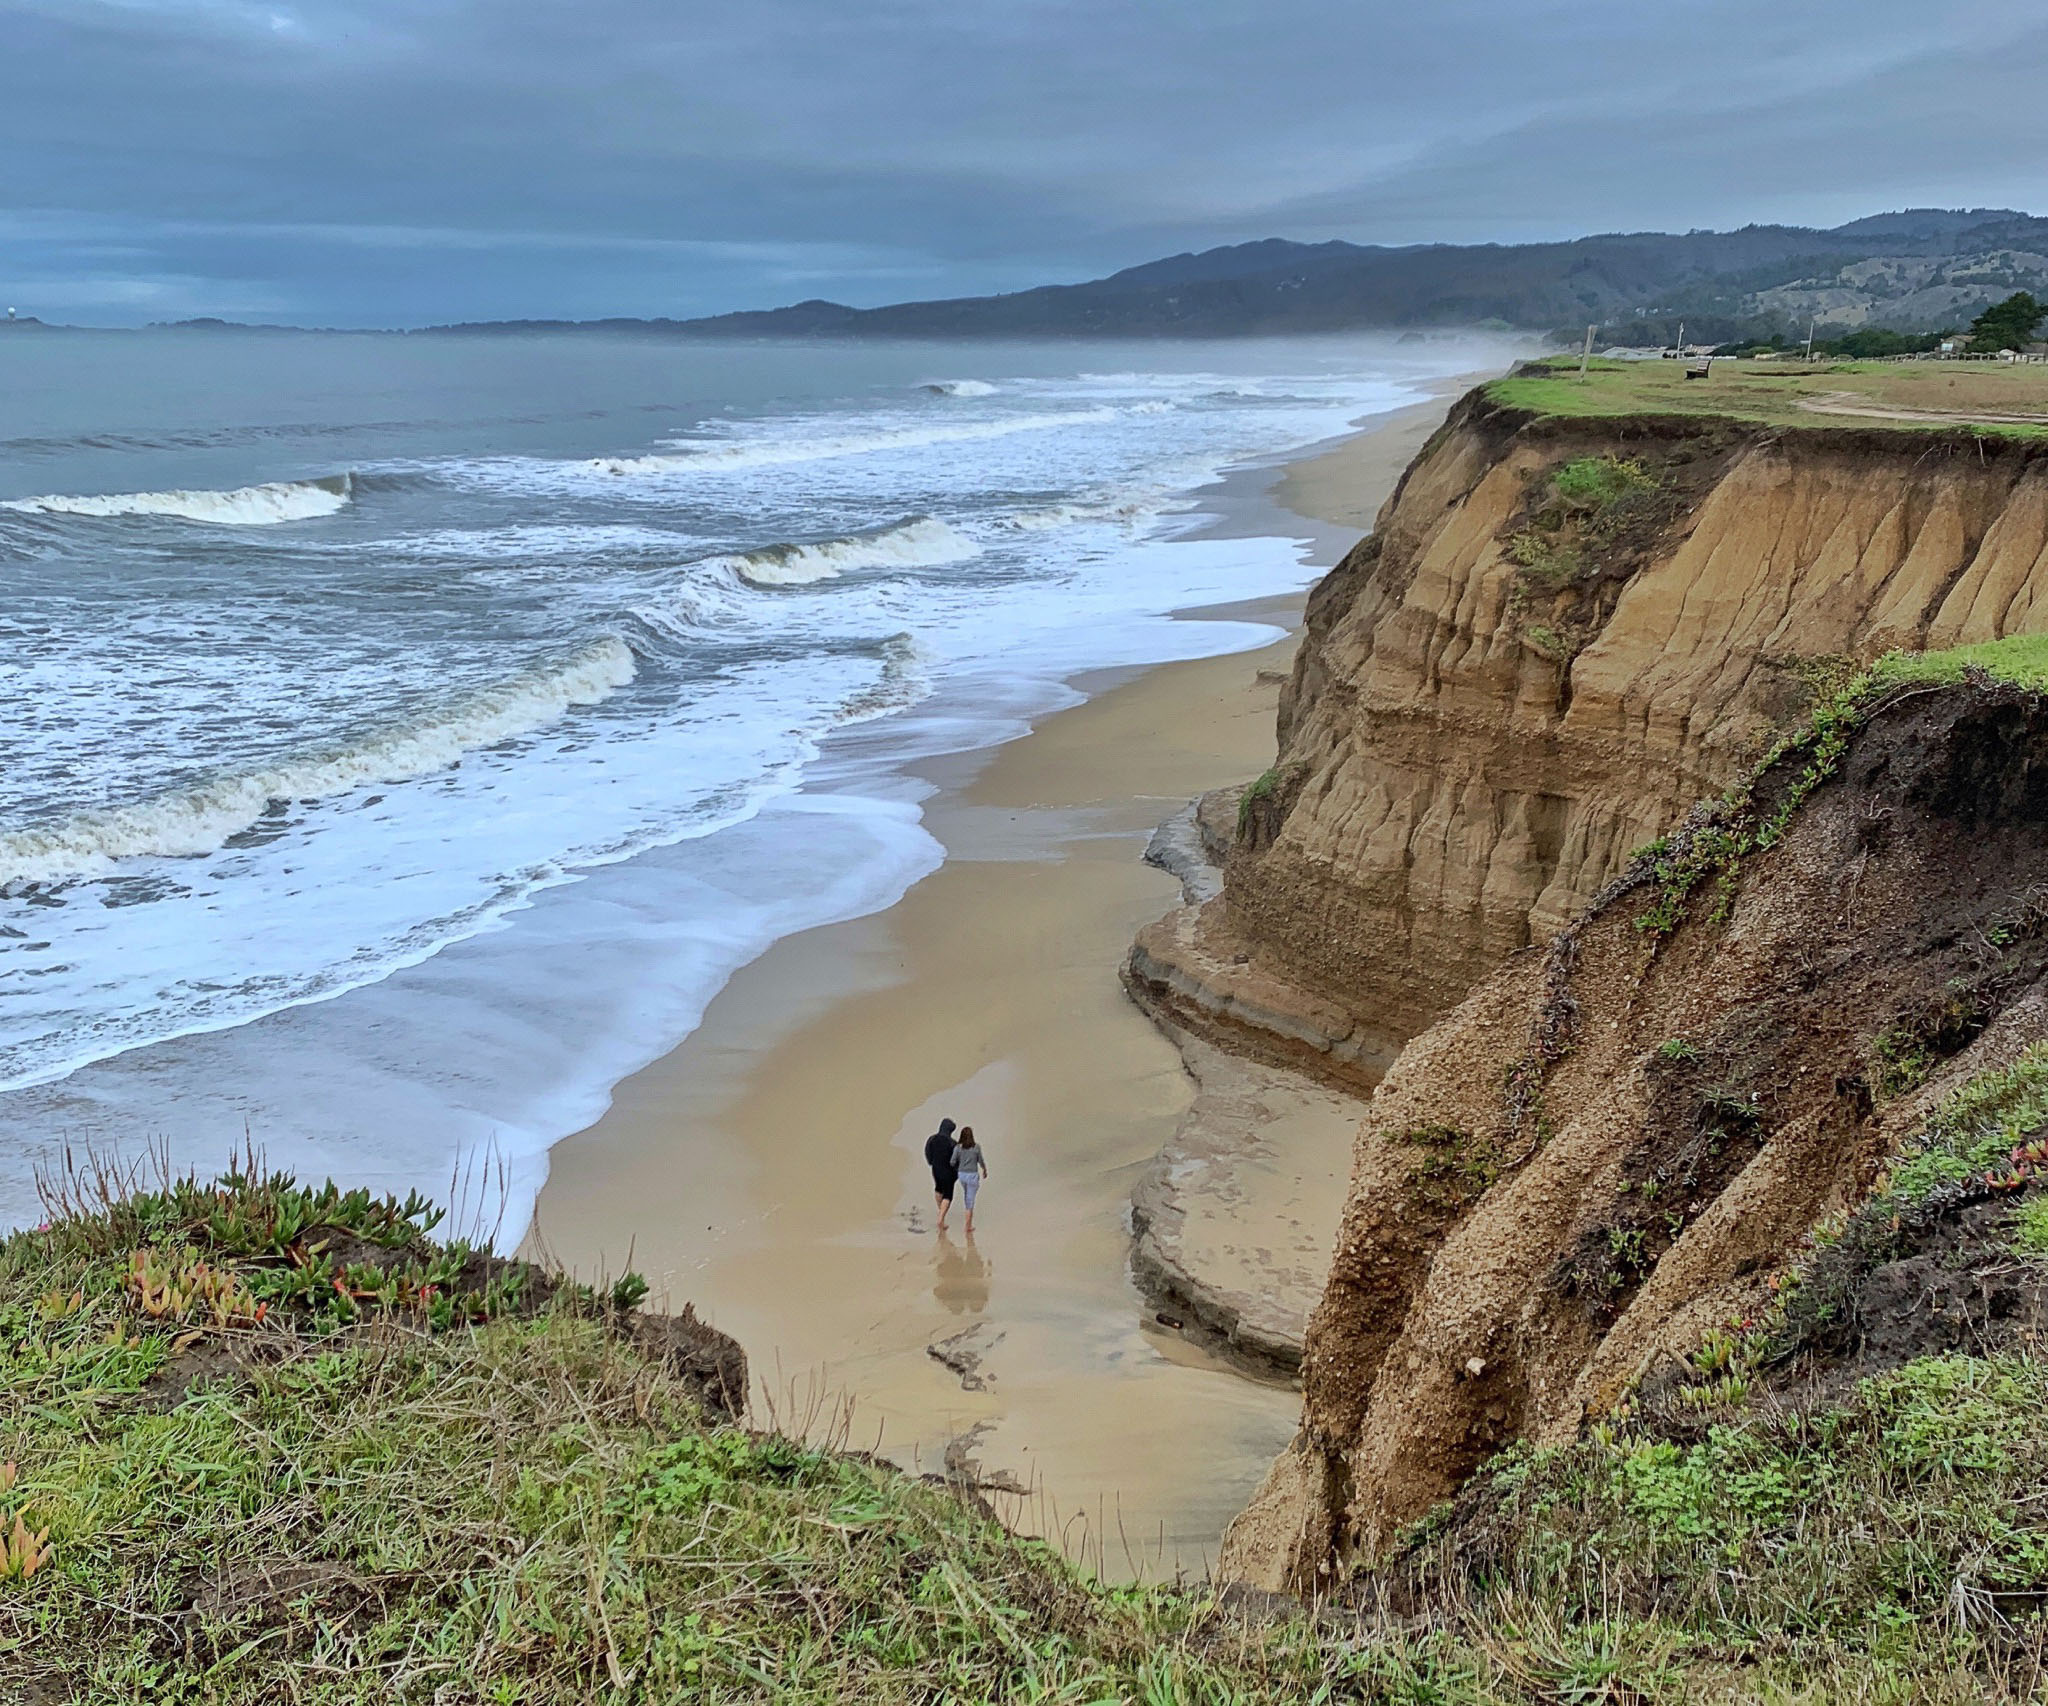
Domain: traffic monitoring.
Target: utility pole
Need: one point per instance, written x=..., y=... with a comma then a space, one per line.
x=1586, y=354
x=1810, y=324
x=1681, y=340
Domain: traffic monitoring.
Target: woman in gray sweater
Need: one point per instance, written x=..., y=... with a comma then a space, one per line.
x=972, y=1167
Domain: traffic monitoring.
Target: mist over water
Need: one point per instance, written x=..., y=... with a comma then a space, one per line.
x=407, y=737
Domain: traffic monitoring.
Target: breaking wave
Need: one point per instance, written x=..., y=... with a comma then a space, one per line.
x=203, y=818
x=718, y=458
x=917, y=542
x=247, y=506
x=1124, y=512
x=905, y=679
x=960, y=388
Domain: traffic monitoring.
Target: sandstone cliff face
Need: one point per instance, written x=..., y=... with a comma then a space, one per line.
x=1612, y=1142
x=1471, y=746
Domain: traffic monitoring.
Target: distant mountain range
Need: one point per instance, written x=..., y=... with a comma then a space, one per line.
x=1924, y=269
x=1920, y=270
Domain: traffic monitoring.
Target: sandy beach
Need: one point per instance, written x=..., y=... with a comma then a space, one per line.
x=769, y=1169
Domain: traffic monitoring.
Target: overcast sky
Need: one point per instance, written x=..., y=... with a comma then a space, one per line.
x=396, y=162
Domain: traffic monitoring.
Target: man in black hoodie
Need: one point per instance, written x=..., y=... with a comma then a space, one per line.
x=938, y=1154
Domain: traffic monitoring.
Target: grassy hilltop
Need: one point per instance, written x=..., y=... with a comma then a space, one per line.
x=2006, y=399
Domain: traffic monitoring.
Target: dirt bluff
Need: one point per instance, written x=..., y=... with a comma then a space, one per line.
x=1608, y=1106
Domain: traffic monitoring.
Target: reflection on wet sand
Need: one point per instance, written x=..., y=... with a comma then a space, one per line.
x=962, y=1282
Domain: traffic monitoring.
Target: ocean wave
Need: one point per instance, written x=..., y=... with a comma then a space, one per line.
x=1044, y=517
x=203, y=818
x=687, y=611
x=905, y=679
x=959, y=388
x=919, y=541
x=723, y=457
x=246, y=506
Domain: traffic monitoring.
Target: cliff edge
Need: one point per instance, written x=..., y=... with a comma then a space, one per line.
x=1621, y=1141
x=1560, y=634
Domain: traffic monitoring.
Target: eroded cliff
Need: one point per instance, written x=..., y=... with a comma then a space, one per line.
x=1560, y=634
x=1614, y=1143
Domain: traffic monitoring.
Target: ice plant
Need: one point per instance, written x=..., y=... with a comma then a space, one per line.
x=23, y=1550
x=26, y=1551
x=195, y=1290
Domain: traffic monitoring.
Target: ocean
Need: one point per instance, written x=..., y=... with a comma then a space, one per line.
x=407, y=736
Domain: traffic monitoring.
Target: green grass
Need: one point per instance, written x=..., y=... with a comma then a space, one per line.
x=518, y=1506
x=1773, y=392
x=514, y=1505
x=1973, y=1133
x=1595, y=483
x=1896, y=1539
x=2030, y=1227
x=2021, y=659
x=1261, y=787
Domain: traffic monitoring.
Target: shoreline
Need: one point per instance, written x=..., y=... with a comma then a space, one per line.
x=768, y=1169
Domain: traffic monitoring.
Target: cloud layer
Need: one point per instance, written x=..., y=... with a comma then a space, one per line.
x=380, y=162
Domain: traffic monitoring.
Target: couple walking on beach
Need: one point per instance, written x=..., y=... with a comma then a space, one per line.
x=955, y=1161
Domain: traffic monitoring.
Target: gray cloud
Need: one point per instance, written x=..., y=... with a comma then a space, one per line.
x=393, y=161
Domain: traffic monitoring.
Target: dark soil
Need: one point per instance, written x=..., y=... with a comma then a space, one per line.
x=212, y=1360
x=1705, y=1124
x=711, y=1363
x=1927, y=1280
x=291, y=1603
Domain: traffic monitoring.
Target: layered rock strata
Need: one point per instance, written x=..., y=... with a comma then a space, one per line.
x=1481, y=723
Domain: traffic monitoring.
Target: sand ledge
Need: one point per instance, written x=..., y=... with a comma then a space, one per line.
x=1233, y=1222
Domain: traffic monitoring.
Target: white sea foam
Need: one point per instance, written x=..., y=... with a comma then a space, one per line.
x=1125, y=506
x=202, y=819
x=246, y=506
x=1117, y=511
x=685, y=611
x=719, y=458
x=921, y=541
x=906, y=678
x=961, y=388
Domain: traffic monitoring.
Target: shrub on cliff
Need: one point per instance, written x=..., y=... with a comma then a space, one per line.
x=1888, y=1547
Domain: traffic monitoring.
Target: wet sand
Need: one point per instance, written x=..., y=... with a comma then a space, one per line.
x=769, y=1169
x=1344, y=486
